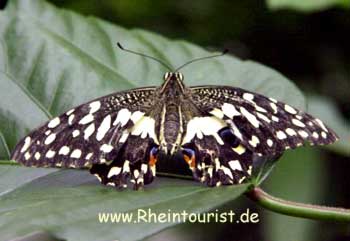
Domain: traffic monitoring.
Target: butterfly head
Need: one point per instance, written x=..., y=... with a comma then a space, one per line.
x=173, y=82
x=177, y=76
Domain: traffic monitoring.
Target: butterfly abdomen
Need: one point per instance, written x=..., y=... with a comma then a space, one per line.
x=171, y=128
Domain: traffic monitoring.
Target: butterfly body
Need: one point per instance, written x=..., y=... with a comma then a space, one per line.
x=219, y=130
x=172, y=95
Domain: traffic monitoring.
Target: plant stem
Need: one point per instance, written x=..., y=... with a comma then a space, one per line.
x=298, y=209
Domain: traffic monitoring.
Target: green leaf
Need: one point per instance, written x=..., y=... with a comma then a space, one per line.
x=52, y=60
x=325, y=109
x=307, y=5
x=67, y=204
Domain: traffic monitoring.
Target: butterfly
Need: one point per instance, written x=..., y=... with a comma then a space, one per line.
x=218, y=130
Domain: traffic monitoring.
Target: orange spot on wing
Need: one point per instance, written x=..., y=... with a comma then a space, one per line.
x=191, y=161
x=152, y=160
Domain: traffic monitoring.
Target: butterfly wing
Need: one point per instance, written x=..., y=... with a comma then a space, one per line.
x=241, y=126
x=264, y=124
x=94, y=135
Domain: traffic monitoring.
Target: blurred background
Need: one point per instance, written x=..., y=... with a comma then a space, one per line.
x=308, y=42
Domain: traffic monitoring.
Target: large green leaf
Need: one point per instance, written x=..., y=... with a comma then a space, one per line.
x=52, y=60
x=68, y=204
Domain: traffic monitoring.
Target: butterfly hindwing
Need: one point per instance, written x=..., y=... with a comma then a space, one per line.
x=218, y=164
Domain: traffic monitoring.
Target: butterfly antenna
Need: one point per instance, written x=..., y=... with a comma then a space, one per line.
x=207, y=57
x=144, y=55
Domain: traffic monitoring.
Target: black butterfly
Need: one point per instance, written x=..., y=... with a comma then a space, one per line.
x=219, y=130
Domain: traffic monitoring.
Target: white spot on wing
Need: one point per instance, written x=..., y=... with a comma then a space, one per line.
x=210, y=171
x=27, y=155
x=126, y=166
x=229, y=110
x=144, y=127
x=248, y=96
x=124, y=137
x=290, y=109
x=291, y=132
x=321, y=124
x=106, y=148
x=88, y=156
x=303, y=134
x=199, y=126
x=37, y=155
x=50, y=154
x=250, y=168
x=70, y=111
x=235, y=165
x=273, y=107
x=76, y=153
x=50, y=139
x=94, y=106
x=70, y=119
x=114, y=171
x=54, y=122
x=64, y=150
x=263, y=117
x=227, y=171
x=250, y=117
x=275, y=118
x=122, y=117
x=86, y=119
x=144, y=168
x=26, y=144
x=281, y=135
x=104, y=127
x=76, y=133
x=324, y=134
x=242, y=179
x=298, y=123
x=315, y=135
x=136, y=116
x=89, y=131
x=269, y=142
x=136, y=173
x=254, y=141
x=259, y=108
x=236, y=131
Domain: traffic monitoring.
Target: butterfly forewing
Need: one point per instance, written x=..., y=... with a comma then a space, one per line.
x=264, y=125
x=88, y=134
